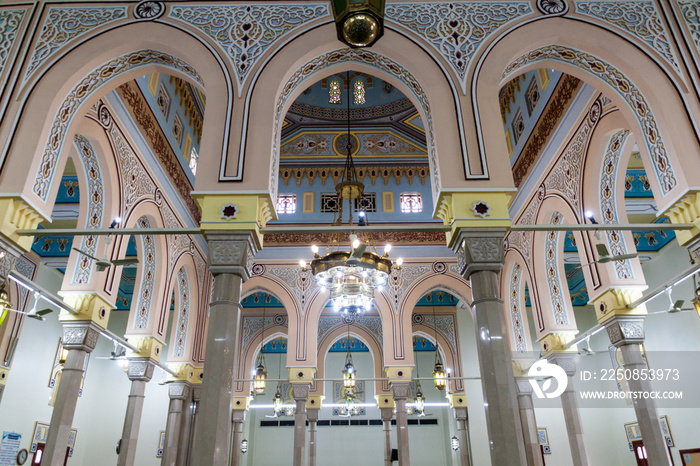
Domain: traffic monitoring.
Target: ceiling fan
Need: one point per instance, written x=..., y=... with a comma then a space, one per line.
x=104, y=263
x=604, y=256
x=33, y=313
x=674, y=306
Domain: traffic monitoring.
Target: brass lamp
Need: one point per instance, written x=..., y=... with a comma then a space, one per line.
x=359, y=23
x=260, y=376
x=439, y=374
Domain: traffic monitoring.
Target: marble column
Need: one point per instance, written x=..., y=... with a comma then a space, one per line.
x=140, y=372
x=230, y=256
x=237, y=418
x=480, y=259
x=300, y=392
x=461, y=416
x=186, y=431
x=401, y=390
x=79, y=338
x=196, y=399
x=529, y=424
x=312, y=416
x=387, y=416
x=178, y=393
x=627, y=333
x=569, y=404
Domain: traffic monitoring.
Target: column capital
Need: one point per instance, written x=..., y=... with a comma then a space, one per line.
x=184, y=372
x=179, y=390
x=625, y=330
x=387, y=413
x=4, y=374
x=460, y=413
x=479, y=250
x=401, y=390
x=90, y=306
x=238, y=415
x=80, y=335
x=523, y=386
x=140, y=369
x=197, y=393
x=231, y=252
x=312, y=413
x=473, y=208
x=300, y=391
x=564, y=360
x=554, y=342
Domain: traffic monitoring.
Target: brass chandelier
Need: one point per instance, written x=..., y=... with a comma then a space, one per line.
x=353, y=275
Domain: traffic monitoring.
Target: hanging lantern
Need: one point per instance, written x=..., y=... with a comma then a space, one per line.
x=349, y=375
x=420, y=400
x=244, y=446
x=455, y=443
x=359, y=23
x=260, y=377
x=439, y=374
x=277, y=402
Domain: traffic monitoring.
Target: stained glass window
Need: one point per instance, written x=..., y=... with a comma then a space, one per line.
x=286, y=204
x=411, y=202
x=193, y=161
x=359, y=92
x=334, y=91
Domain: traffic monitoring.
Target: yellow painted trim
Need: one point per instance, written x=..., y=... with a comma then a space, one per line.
x=385, y=401
x=614, y=302
x=197, y=379
x=308, y=202
x=398, y=373
x=187, y=148
x=4, y=375
x=90, y=306
x=509, y=143
x=687, y=210
x=554, y=342
x=409, y=122
x=254, y=211
x=240, y=403
x=457, y=400
x=543, y=77
x=17, y=215
x=455, y=210
x=387, y=201
x=153, y=83
x=148, y=347
x=185, y=372
x=301, y=374
x=315, y=402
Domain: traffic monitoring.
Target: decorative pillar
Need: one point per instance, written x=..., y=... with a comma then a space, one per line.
x=627, y=333
x=178, y=393
x=569, y=404
x=462, y=418
x=186, y=431
x=401, y=391
x=527, y=419
x=230, y=258
x=300, y=392
x=140, y=372
x=387, y=416
x=196, y=400
x=79, y=338
x=312, y=416
x=240, y=407
x=480, y=259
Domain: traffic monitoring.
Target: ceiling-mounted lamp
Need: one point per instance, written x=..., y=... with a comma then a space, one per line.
x=260, y=375
x=359, y=23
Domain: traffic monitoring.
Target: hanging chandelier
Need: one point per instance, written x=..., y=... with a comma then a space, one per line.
x=353, y=275
x=260, y=375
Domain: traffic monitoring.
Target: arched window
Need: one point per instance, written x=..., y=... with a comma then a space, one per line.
x=358, y=91
x=334, y=91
